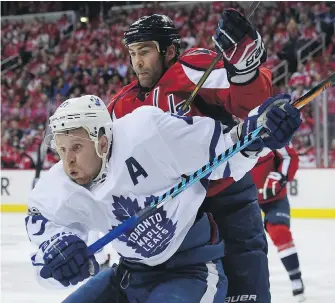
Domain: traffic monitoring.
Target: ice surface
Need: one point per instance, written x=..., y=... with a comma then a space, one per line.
x=314, y=240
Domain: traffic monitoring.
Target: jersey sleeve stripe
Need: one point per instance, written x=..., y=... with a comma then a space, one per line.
x=218, y=78
x=214, y=140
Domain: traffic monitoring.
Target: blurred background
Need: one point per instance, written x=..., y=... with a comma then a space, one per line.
x=52, y=51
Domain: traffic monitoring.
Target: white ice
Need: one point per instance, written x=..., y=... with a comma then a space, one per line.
x=314, y=240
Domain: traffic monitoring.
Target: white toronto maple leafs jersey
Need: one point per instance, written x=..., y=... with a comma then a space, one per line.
x=151, y=150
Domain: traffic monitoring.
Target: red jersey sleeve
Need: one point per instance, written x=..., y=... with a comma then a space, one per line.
x=122, y=103
x=243, y=98
x=238, y=100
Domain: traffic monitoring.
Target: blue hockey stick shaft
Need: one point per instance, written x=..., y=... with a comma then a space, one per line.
x=131, y=223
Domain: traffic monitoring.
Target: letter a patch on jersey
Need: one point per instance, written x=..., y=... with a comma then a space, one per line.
x=135, y=170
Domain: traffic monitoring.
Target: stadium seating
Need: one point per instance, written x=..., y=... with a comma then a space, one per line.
x=61, y=60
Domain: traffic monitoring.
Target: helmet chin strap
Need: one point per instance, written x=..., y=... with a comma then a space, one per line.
x=163, y=54
x=157, y=45
x=103, y=157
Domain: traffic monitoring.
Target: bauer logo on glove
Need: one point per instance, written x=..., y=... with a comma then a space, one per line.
x=241, y=45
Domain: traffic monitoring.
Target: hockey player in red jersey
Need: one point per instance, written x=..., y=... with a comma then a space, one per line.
x=235, y=86
x=271, y=175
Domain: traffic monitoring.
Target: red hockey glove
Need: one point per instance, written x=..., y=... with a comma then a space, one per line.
x=273, y=184
x=242, y=46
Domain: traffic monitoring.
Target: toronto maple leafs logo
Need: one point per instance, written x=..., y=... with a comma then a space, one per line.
x=96, y=100
x=152, y=235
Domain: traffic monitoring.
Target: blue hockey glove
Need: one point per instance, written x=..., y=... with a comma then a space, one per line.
x=279, y=118
x=241, y=45
x=66, y=260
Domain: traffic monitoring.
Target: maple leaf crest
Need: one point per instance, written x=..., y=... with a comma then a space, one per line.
x=124, y=208
x=152, y=235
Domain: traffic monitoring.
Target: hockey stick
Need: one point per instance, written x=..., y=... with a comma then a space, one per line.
x=210, y=68
x=42, y=150
x=200, y=173
x=314, y=92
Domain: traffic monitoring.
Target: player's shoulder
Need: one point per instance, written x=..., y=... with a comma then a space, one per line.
x=143, y=115
x=44, y=195
x=54, y=192
x=153, y=120
x=56, y=171
x=137, y=128
x=122, y=94
x=198, y=58
x=52, y=183
x=148, y=110
x=142, y=119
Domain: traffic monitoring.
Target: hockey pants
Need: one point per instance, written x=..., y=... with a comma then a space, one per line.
x=238, y=216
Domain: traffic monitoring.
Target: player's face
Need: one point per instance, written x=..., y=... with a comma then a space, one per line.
x=147, y=63
x=80, y=160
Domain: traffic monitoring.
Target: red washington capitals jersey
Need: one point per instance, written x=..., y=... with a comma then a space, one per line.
x=284, y=161
x=217, y=97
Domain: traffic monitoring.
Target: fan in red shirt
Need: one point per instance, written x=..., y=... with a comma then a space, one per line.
x=300, y=77
x=25, y=161
x=51, y=159
x=234, y=87
x=19, y=158
x=7, y=153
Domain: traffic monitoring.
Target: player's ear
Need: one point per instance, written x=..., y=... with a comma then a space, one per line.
x=169, y=55
x=103, y=145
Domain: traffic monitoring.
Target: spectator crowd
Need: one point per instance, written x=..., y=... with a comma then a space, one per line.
x=60, y=60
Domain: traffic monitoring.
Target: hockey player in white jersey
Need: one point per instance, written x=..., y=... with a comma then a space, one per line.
x=109, y=171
